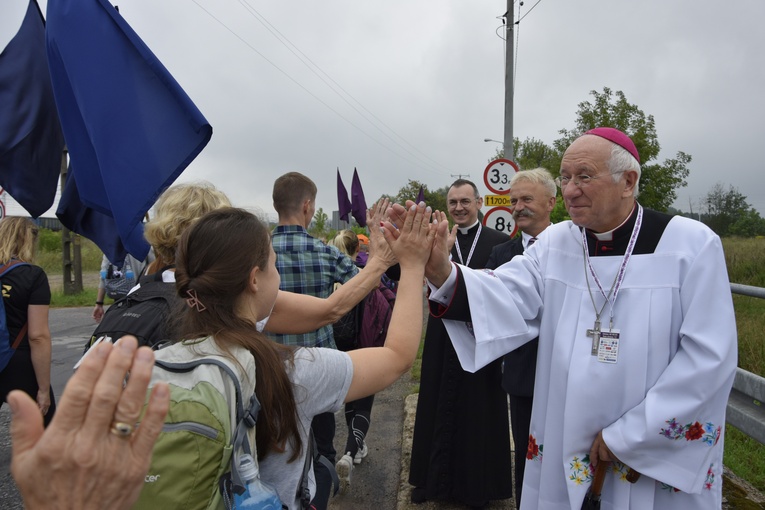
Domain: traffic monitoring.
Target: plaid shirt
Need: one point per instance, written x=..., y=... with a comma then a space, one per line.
x=308, y=266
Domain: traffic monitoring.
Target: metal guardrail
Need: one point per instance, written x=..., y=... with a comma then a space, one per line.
x=746, y=404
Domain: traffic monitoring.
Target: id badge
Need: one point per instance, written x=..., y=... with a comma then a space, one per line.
x=608, y=348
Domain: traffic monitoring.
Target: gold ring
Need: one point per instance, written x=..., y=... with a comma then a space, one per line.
x=122, y=429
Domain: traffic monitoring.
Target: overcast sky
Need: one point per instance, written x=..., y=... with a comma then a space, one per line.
x=422, y=84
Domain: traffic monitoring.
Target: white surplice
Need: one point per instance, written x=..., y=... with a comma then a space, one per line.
x=661, y=406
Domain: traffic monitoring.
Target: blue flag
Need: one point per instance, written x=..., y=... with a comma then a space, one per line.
x=359, y=204
x=421, y=195
x=31, y=142
x=343, y=204
x=129, y=126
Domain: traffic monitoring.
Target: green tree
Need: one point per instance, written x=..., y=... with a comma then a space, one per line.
x=750, y=224
x=658, y=182
x=320, y=220
x=726, y=208
x=435, y=199
x=534, y=153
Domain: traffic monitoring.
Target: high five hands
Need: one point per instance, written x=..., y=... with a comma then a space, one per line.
x=438, y=266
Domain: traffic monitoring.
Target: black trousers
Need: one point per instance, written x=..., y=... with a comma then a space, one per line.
x=520, y=418
x=323, y=426
x=19, y=374
x=358, y=415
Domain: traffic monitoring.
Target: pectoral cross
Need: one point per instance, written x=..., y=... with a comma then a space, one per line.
x=594, y=333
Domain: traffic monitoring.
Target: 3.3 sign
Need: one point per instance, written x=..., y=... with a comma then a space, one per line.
x=498, y=174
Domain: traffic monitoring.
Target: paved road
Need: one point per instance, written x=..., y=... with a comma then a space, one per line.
x=70, y=328
x=376, y=480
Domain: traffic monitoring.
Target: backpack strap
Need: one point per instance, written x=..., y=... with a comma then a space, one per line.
x=304, y=492
x=156, y=277
x=12, y=264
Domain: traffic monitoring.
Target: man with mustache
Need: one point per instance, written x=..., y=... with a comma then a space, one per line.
x=532, y=195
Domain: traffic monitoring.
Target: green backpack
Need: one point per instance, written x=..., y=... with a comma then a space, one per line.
x=213, y=411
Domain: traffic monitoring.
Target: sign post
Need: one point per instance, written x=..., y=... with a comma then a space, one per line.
x=497, y=178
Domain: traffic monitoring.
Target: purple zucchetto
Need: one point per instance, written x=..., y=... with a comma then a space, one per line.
x=616, y=136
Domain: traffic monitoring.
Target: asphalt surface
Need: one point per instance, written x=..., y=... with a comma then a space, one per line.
x=70, y=328
x=379, y=482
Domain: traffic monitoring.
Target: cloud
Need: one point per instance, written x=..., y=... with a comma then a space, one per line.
x=430, y=76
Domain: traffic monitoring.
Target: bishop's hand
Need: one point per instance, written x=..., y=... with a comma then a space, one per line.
x=438, y=267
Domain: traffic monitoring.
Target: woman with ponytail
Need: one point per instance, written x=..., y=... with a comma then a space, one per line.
x=225, y=268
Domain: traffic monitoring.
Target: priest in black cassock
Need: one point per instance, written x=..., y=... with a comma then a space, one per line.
x=461, y=444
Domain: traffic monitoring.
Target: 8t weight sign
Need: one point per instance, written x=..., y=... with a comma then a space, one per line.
x=501, y=219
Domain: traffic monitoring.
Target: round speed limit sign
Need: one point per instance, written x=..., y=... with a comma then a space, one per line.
x=501, y=219
x=498, y=174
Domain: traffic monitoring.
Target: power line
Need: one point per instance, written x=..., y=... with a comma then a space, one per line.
x=325, y=104
x=527, y=12
x=290, y=45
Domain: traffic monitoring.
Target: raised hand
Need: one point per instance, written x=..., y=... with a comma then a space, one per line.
x=378, y=246
x=91, y=456
x=412, y=241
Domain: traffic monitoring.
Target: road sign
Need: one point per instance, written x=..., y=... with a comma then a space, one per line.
x=498, y=174
x=496, y=201
x=501, y=219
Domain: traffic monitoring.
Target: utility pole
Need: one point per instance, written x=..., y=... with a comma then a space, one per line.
x=460, y=176
x=509, y=32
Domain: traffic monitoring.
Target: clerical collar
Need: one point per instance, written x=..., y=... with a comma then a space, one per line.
x=472, y=247
x=466, y=230
x=609, y=236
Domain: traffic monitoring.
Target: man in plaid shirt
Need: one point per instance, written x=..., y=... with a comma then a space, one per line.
x=308, y=266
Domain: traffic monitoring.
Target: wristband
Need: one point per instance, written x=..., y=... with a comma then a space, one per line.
x=99, y=303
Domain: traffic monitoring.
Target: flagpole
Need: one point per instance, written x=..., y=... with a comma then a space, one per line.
x=70, y=243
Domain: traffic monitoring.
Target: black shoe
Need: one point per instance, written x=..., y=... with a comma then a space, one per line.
x=418, y=495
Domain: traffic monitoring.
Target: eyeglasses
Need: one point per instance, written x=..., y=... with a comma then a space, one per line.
x=580, y=181
x=465, y=202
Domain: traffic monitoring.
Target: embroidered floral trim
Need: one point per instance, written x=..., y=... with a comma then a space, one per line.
x=580, y=470
x=534, y=452
x=620, y=471
x=708, y=483
x=666, y=487
x=708, y=433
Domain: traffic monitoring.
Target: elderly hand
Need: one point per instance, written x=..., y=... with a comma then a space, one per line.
x=90, y=456
x=601, y=452
x=413, y=241
x=378, y=246
x=439, y=217
x=438, y=266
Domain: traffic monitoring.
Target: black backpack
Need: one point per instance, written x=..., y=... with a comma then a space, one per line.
x=144, y=313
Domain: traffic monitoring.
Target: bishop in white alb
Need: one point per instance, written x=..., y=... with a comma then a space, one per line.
x=660, y=405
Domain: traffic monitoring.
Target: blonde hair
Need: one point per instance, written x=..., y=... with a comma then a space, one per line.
x=346, y=241
x=178, y=208
x=17, y=239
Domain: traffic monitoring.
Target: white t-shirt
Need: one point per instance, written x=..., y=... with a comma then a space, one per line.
x=321, y=380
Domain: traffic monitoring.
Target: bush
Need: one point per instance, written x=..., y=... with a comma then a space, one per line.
x=48, y=241
x=49, y=253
